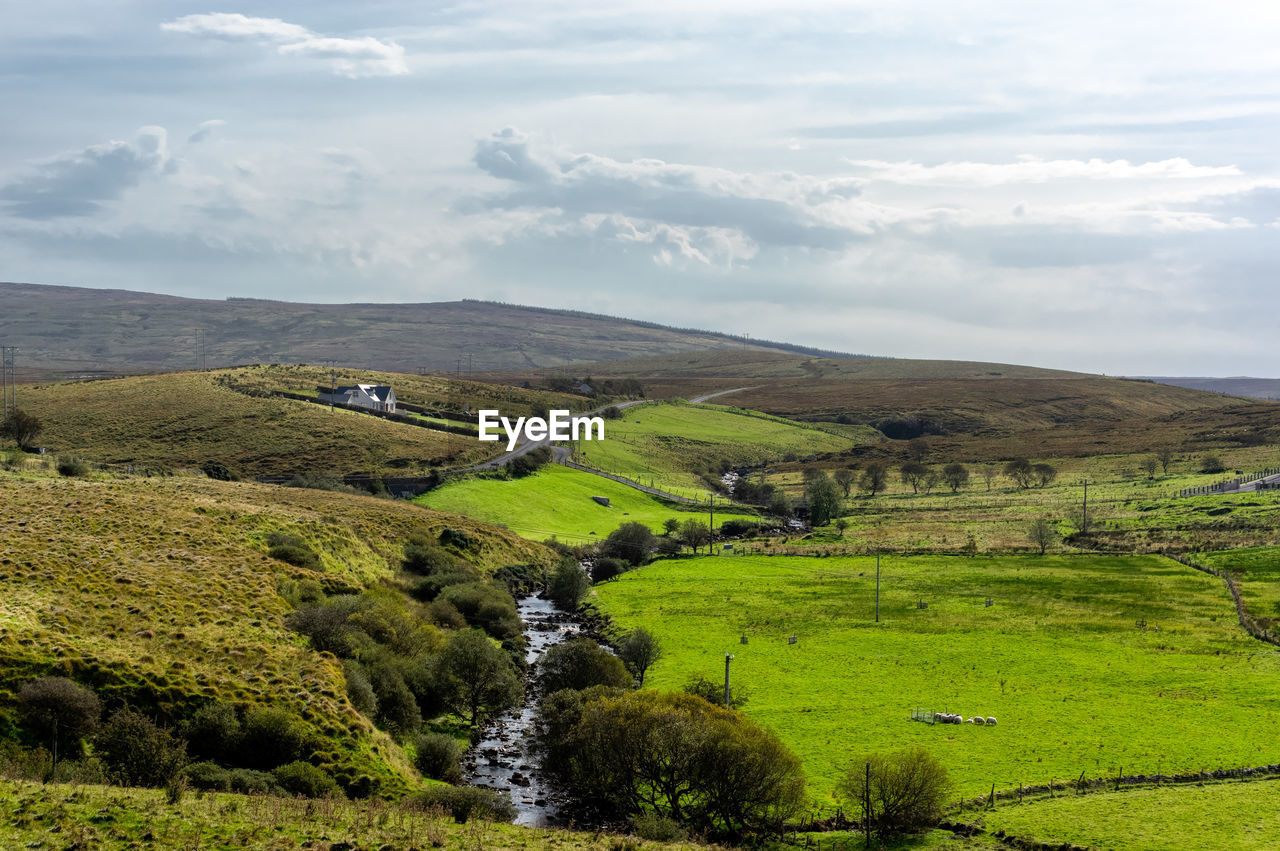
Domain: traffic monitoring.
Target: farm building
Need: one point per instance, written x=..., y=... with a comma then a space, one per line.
x=375, y=397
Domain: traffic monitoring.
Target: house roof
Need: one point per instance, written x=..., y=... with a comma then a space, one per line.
x=380, y=392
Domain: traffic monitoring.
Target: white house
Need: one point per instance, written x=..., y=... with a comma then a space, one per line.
x=375, y=397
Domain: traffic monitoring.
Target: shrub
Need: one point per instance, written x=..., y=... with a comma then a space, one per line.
x=1212, y=464
x=456, y=538
x=271, y=737
x=580, y=663
x=305, y=779
x=359, y=689
x=656, y=828
x=713, y=692
x=21, y=427
x=639, y=650
x=476, y=677
x=426, y=558
x=397, y=710
x=137, y=752
x=246, y=781
x=631, y=542
x=72, y=466
x=217, y=471
x=530, y=462
x=907, y=791
x=52, y=705
x=292, y=550
x=437, y=756
x=737, y=528
x=605, y=569
x=212, y=731
x=568, y=584
x=465, y=802
x=208, y=776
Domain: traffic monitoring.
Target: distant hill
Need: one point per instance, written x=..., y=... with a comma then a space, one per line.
x=1258, y=388
x=74, y=331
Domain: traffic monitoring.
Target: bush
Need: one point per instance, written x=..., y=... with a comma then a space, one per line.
x=1212, y=464
x=246, y=781
x=217, y=471
x=656, y=828
x=213, y=732
x=530, y=462
x=908, y=789
x=738, y=528
x=398, y=711
x=52, y=704
x=639, y=650
x=465, y=802
x=137, y=752
x=208, y=776
x=271, y=737
x=713, y=692
x=605, y=569
x=303, y=778
x=580, y=663
x=437, y=757
x=426, y=558
x=631, y=542
x=71, y=466
x=359, y=689
x=292, y=550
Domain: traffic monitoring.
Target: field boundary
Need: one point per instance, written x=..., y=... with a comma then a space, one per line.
x=1247, y=623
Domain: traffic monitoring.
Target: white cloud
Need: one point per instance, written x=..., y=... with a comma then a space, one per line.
x=1034, y=170
x=348, y=57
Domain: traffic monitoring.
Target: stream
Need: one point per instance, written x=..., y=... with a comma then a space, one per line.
x=504, y=759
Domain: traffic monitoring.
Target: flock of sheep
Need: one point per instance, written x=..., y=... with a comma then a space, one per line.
x=948, y=718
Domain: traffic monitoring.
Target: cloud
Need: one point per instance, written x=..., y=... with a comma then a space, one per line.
x=236, y=27
x=348, y=57
x=205, y=130
x=1034, y=170
x=783, y=209
x=76, y=184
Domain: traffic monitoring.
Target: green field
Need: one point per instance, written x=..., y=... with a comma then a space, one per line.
x=556, y=501
x=1214, y=817
x=670, y=446
x=1058, y=658
x=1258, y=571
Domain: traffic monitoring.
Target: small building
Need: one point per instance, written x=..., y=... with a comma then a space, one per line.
x=375, y=397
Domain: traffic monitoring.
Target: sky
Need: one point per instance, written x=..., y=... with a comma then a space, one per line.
x=1083, y=185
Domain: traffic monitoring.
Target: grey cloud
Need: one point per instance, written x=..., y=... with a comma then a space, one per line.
x=777, y=210
x=205, y=130
x=76, y=184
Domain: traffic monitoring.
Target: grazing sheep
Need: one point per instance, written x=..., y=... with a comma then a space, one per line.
x=939, y=718
x=991, y=722
x=978, y=719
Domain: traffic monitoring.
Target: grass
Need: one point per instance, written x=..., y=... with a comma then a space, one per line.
x=1058, y=659
x=183, y=420
x=1213, y=817
x=159, y=593
x=111, y=818
x=557, y=502
x=1258, y=572
x=671, y=446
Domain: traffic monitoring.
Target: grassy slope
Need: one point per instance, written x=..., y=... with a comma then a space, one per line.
x=185, y=419
x=111, y=818
x=159, y=592
x=1258, y=570
x=557, y=501
x=668, y=446
x=1215, y=817
x=1057, y=660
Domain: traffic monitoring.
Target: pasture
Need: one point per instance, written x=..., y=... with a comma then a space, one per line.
x=556, y=502
x=1090, y=663
x=671, y=446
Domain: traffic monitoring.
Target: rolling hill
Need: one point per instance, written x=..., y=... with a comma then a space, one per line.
x=74, y=331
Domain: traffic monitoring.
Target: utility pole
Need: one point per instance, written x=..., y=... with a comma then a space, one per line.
x=728, y=657
x=711, y=528
x=333, y=379
x=1085, y=524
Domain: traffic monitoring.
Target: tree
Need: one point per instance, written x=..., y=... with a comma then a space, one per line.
x=930, y=480
x=1211, y=464
x=137, y=752
x=841, y=525
x=568, y=584
x=1149, y=466
x=906, y=792
x=631, y=542
x=477, y=677
x=874, y=478
x=21, y=427
x=639, y=650
x=823, y=496
x=913, y=473
x=956, y=476
x=670, y=526
x=779, y=503
x=604, y=569
x=1045, y=473
x=59, y=713
x=989, y=474
x=580, y=663
x=1042, y=534
x=845, y=477
x=437, y=756
x=694, y=533
x=918, y=449
x=1020, y=470
x=1164, y=455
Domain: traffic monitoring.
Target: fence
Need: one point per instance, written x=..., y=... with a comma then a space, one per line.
x=1247, y=623
x=1231, y=485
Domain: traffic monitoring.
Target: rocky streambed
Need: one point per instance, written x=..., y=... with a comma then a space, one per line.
x=505, y=759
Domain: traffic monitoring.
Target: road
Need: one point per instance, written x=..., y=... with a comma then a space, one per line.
x=700, y=399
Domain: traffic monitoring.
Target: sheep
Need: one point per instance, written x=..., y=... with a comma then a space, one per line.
x=978, y=719
x=991, y=722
